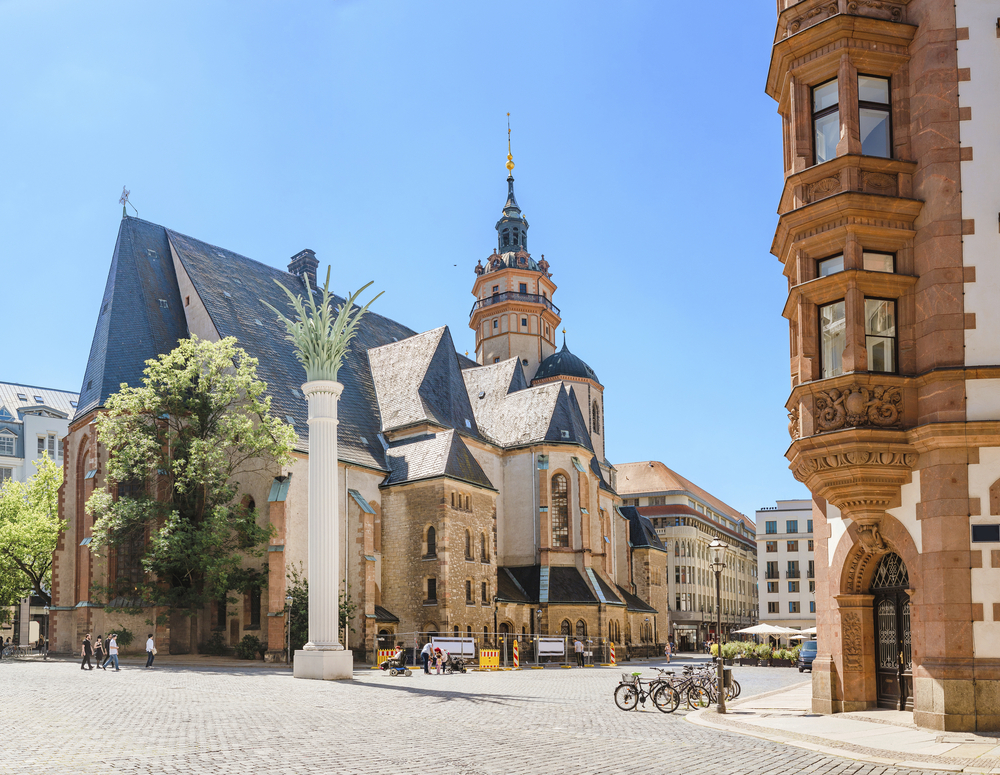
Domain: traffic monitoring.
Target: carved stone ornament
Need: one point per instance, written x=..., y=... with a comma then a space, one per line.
x=809, y=18
x=857, y=406
x=793, y=422
x=823, y=187
x=879, y=183
x=871, y=539
x=875, y=458
x=893, y=11
x=850, y=621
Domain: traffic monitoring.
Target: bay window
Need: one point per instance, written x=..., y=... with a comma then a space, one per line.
x=879, y=262
x=830, y=265
x=833, y=338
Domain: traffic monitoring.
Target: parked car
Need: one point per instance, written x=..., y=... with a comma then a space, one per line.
x=806, y=655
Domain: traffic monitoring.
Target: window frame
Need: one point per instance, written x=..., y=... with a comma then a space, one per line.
x=895, y=339
x=819, y=330
x=11, y=438
x=816, y=114
x=892, y=255
x=831, y=258
x=886, y=106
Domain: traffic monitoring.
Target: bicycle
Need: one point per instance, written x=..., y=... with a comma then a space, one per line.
x=693, y=688
x=630, y=691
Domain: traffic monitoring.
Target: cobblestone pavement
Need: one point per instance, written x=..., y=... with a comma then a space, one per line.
x=249, y=721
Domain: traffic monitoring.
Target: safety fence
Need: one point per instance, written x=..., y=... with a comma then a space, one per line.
x=507, y=652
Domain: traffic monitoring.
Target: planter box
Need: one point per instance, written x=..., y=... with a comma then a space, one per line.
x=781, y=663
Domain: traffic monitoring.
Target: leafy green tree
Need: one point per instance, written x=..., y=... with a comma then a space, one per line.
x=29, y=530
x=175, y=445
x=298, y=590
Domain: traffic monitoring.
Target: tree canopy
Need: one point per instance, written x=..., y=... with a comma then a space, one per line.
x=29, y=531
x=175, y=443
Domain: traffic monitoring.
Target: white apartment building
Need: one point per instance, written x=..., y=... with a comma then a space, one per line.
x=33, y=422
x=686, y=519
x=787, y=570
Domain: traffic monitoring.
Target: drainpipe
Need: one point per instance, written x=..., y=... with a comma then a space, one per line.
x=347, y=534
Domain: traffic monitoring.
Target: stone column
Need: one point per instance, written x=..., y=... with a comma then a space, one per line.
x=323, y=657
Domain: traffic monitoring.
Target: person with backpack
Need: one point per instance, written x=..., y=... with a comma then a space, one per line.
x=86, y=650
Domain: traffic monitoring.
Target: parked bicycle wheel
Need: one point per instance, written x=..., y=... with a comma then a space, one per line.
x=626, y=696
x=697, y=698
x=736, y=689
x=666, y=698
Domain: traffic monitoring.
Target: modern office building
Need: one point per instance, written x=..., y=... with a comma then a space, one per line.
x=33, y=422
x=687, y=519
x=785, y=566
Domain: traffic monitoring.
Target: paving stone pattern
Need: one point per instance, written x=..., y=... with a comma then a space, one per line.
x=261, y=720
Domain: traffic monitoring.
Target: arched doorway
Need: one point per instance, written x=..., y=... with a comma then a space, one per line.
x=893, y=657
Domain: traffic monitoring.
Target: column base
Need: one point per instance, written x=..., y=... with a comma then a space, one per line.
x=323, y=665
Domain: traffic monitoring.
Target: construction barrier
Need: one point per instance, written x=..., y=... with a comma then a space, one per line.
x=489, y=659
x=516, y=662
x=613, y=663
x=383, y=655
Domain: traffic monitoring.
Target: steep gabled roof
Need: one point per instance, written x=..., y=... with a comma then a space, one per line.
x=641, y=533
x=488, y=388
x=635, y=603
x=419, y=380
x=431, y=455
x=133, y=325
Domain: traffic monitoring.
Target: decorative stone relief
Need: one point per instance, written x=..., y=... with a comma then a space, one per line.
x=793, y=422
x=851, y=623
x=879, y=183
x=871, y=539
x=822, y=188
x=881, y=10
x=810, y=17
x=874, y=458
x=857, y=406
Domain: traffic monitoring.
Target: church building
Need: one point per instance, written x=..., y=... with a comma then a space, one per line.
x=477, y=499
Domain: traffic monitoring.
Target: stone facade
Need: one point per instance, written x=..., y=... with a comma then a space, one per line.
x=895, y=404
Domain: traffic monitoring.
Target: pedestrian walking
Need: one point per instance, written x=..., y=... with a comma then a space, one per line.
x=666, y=651
x=98, y=650
x=150, y=650
x=578, y=648
x=86, y=651
x=112, y=652
x=426, y=653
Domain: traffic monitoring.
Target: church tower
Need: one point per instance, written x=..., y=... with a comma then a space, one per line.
x=513, y=315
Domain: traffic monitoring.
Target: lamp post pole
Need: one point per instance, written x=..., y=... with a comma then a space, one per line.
x=718, y=549
x=288, y=628
x=46, y=642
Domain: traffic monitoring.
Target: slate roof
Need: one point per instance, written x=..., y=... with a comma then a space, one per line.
x=610, y=595
x=418, y=380
x=641, y=533
x=564, y=364
x=385, y=615
x=635, y=603
x=566, y=585
x=133, y=325
x=57, y=400
x=513, y=415
x=509, y=590
x=431, y=455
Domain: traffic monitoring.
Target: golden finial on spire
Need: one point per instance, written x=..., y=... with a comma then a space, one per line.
x=510, y=157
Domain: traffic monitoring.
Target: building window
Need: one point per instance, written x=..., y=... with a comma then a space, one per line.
x=432, y=590
x=793, y=606
x=7, y=444
x=431, y=542
x=565, y=628
x=581, y=629
x=41, y=446
x=468, y=546
x=809, y=545
x=792, y=526
x=468, y=592
x=496, y=324
x=809, y=525
x=772, y=608
x=771, y=546
x=560, y=511
x=793, y=570
x=484, y=554
x=982, y=534
x=812, y=606
x=830, y=266
x=812, y=586
x=878, y=262
x=772, y=570
x=826, y=121
x=833, y=339
x=657, y=500
x=772, y=587
x=485, y=593
x=793, y=586
x=595, y=417
x=770, y=527
x=524, y=322
x=522, y=287
x=793, y=546
x=880, y=335
x=7, y=416
x=873, y=113
x=505, y=238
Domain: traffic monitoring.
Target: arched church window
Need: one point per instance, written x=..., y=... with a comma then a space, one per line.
x=431, y=542
x=560, y=511
x=514, y=241
x=581, y=629
x=565, y=630
x=595, y=415
x=483, y=554
x=468, y=545
x=506, y=237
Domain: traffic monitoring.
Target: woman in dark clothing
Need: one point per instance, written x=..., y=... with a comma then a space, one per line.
x=99, y=651
x=88, y=649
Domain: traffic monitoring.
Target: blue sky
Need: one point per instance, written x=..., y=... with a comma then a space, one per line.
x=648, y=165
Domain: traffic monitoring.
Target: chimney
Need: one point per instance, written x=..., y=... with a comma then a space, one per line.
x=305, y=264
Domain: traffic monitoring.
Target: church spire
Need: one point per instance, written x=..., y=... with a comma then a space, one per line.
x=512, y=228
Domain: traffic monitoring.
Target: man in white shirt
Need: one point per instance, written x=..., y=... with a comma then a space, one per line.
x=150, y=650
x=427, y=654
x=112, y=652
x=578, y=648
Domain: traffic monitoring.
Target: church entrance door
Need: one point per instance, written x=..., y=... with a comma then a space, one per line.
x=893, y=661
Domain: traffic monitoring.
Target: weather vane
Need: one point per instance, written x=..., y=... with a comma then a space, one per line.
x=123, y=200
x=510, y=158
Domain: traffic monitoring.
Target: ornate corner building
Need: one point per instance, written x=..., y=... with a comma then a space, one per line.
x=888, y=238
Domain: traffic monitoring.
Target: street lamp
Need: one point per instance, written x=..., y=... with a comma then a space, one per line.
x=288, y=626
x=46, y=632
x=718, y=549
